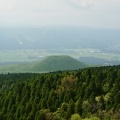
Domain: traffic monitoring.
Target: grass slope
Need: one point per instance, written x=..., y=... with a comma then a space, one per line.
x=51, y=63
x=54, y=63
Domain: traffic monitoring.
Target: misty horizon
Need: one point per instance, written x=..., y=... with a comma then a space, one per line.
x=58, y=37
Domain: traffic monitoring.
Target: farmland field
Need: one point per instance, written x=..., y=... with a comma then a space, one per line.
x=28, y=55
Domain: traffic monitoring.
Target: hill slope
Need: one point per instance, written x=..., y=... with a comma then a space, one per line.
x=51, y=63
x=58, y=95
x=54, y=63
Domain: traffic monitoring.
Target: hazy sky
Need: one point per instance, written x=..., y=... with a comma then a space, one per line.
x=89, y=13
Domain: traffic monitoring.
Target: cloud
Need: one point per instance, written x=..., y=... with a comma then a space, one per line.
x=56, y=12
x=81, y=3
x=6, y=5
x=30, y=5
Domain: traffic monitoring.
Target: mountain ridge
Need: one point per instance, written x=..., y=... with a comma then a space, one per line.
x=58, y=37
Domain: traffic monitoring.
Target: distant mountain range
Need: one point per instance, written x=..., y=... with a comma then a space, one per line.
x=98, y=61
x=49, y=64
x=52, y=37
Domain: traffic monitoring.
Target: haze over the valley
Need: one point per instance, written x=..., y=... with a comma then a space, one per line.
x=59, y=37
x=45, y=25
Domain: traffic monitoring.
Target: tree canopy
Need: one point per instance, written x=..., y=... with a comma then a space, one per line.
x=84, y=94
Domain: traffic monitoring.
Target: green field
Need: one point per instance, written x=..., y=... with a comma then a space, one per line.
x=28, y=55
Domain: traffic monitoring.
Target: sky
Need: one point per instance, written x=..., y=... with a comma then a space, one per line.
x=85, y=13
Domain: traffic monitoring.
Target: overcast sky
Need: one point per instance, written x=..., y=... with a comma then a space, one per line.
x=88, y=13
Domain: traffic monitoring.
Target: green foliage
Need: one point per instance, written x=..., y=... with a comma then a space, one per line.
x=61, y=95
x=94, y=118
x=91, y=118
x=75, y=117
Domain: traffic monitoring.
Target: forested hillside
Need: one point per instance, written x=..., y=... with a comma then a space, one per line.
x=90, y=94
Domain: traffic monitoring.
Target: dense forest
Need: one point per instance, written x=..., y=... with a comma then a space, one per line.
x=89, y=94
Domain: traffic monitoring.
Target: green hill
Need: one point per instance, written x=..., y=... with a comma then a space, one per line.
x=51, y=63
x=55, y=63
